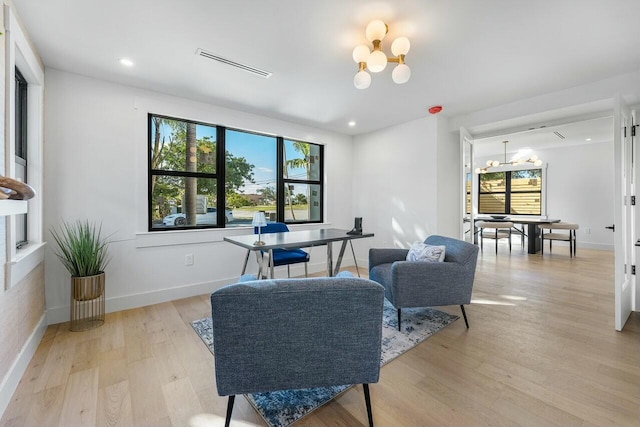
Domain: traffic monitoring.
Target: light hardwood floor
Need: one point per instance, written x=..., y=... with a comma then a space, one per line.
x=541, y=351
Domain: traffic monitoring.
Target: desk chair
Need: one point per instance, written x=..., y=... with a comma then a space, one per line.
x=285, y=256
x=502, y=230
x=554, y=235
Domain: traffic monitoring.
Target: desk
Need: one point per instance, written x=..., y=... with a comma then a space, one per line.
x=533, y=229
x=297, y=239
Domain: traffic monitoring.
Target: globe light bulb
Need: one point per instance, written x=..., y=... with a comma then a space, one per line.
x=400, y=46
x=362, y=80
x=361, y=53
x=495, y=163
x=538, y=163
x=401, y=74
x=376, y=30
x=534, y=158
x=377, y=61
x=489, y=162
x=478, y=170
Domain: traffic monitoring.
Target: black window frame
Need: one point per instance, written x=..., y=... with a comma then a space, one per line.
x=508, y=191
x=220, y=175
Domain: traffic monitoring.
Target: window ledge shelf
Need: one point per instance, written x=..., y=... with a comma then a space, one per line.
x=12, y=207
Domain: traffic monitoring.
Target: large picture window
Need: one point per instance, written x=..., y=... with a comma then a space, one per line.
x=517, y=192
x=203, y=176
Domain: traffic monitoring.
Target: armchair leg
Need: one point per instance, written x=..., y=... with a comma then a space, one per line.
x=232, y=398
x=367, y=399
x=464, y=314
x=399, y=319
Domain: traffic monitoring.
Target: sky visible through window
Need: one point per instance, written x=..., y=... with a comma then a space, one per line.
x=258, y=150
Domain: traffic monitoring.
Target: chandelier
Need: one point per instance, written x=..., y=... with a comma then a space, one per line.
x=376, y=60
x=497, y=163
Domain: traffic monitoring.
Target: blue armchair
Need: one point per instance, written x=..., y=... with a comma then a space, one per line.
x=285, y=256
x=288, y=334
x=426, y=284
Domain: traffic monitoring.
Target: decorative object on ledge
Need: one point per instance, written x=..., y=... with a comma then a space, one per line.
x=497, y=163
x=16, y=190
x=376, y=60
x=83, y=252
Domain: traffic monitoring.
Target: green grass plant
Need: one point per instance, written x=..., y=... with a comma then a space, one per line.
x=81, y=248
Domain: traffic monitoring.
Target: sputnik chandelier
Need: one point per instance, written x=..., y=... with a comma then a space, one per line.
x=497, y=163
x=376, y=60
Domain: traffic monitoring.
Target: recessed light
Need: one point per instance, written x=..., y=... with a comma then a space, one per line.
x=126, y=62
x=352, y=123
x=588, y=139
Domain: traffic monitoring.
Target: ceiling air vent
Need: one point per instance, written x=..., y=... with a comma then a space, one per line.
x=558, y=134
x=247, y=68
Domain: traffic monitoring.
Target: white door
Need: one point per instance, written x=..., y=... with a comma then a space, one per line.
x=623, y=215
x=467, y=177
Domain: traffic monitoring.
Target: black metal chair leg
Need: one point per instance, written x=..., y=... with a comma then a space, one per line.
x=232, y=398
x=367, y=400
x=399, y=319
x=464, y=314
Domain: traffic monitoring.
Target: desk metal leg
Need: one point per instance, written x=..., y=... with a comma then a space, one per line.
x=260, y=261
x=246, y=259
x=354, y=258
x=271, y=262
x=329, y=259
x=342, y=248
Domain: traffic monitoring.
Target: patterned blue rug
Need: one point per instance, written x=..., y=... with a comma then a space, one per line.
x=282, y=408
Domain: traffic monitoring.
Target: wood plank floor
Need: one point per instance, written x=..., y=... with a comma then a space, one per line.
x=541, y=351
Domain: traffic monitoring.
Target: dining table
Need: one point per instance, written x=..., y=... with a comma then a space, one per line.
x=533, y=228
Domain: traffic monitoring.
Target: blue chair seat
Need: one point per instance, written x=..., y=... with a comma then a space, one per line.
x=289, y=256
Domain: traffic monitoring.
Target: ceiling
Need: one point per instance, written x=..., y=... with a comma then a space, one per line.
x=466, y=55
x=570, y=134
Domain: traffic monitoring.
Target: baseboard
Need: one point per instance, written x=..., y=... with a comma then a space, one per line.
x=12, y=378
x=126, y=302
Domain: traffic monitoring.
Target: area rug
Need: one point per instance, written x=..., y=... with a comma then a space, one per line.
x=282, y=408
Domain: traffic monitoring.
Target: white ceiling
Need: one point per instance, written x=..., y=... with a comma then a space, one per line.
x=576, y=133
x=465, y=55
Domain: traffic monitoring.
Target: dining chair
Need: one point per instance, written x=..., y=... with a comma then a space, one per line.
x=562, y=236
x=501, y=230
x=285, y=256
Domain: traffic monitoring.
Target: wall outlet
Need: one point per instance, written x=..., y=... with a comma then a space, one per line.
x=188, y=259
x=587, y=230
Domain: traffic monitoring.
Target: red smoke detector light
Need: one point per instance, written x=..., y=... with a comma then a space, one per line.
x=435, y=109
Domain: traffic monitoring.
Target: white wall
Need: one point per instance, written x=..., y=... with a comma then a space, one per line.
x=449, y=181
x=96, y=169
x=395, y=183
x=579, y=188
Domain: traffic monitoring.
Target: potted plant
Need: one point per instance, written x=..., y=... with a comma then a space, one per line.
x=83, y=251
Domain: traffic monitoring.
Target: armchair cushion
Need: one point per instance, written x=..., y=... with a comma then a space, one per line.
x=422, y=252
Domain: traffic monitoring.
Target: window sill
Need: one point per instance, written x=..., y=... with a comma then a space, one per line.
x=152, y=239
x=25, y=261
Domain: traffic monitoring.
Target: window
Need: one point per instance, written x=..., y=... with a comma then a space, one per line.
x=516, y=192
x=21, y=151
x=302, y=169
x=205, y=176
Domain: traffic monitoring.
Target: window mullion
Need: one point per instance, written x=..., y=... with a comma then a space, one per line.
x=280, y=179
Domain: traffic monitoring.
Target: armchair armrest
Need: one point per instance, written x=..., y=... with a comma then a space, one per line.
x=386, y=256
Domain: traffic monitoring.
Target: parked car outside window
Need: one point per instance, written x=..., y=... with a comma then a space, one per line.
x=209, y=218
